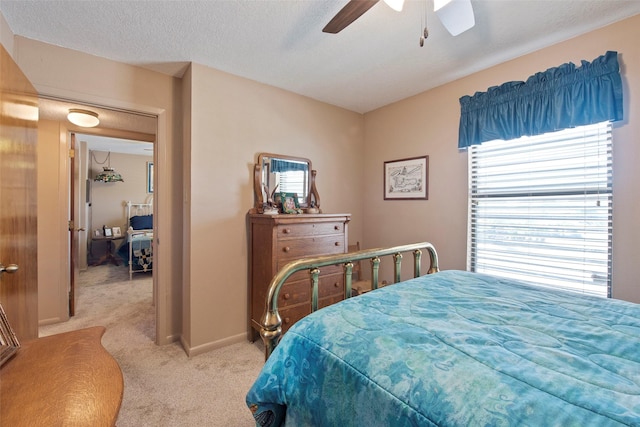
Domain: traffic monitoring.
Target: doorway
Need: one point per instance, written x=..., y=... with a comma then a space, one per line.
x=118, y=129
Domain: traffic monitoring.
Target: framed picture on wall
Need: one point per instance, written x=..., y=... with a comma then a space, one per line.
x=407, y=179
x=149, y=177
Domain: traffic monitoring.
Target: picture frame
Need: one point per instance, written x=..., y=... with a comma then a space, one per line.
x=149, y=177
x=289, y=203
x=116, y=232
x=97, y=232
x=107, y=232
x=407, y=179
x=9, y=344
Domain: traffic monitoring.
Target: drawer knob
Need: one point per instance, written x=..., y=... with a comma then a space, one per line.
x=287, y=320
x=336, y=285
x=286, y=249
x=287, y=296
x=336, y=227
x=286, y=231
x=337, y=243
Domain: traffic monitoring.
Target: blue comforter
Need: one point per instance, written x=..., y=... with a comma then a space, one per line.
x=456, y=349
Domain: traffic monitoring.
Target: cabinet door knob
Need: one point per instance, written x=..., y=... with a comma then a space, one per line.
x=336, y=227
x=287, y=296
x=286, y=249
x=287, y=320
x=336, y=285
x=286, y=231
x=337, y=243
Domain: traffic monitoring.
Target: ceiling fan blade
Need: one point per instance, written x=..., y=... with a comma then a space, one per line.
x=456, y=15
x=349, y=13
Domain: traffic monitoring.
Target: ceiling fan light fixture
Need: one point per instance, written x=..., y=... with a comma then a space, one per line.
x=456, y=15
x=83, y=118
x=395, y=4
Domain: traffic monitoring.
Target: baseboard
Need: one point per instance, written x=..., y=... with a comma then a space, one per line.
x=51, y=321
x=204, y=348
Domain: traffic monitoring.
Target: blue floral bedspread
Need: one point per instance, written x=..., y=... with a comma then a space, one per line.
x=456, y=349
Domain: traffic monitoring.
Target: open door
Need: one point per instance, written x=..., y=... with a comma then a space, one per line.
x=74, y=216
x=18, y=199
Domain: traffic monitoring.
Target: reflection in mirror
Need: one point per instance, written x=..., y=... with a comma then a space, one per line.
x=276, y=173
x=284, y=175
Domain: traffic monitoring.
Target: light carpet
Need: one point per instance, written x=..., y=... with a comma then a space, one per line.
x=162, y=386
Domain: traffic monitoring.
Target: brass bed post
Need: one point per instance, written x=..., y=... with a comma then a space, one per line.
x=397, y=267
x=315, y=274
x=417, y=258
x=375, y=267
x=433, y=264
x=348, y=279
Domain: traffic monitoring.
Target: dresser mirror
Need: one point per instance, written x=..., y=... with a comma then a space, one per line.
x=277, y=173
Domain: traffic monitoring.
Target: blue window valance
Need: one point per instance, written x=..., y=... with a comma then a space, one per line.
x=559, y=98
x=279, y=165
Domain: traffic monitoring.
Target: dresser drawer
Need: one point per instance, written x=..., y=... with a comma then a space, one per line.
x=297, y=292
x=293, y=293
x=305, y=230
x=311, y=246
x=289, y=316
x=331, y=285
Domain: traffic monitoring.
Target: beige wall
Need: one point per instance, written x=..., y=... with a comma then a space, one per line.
x=53, y=234
x=428, y=124
x=231, y=121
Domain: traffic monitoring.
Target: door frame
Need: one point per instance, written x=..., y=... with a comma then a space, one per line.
x=161, y=279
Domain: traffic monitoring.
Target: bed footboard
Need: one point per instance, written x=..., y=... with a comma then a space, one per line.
x=271, y=325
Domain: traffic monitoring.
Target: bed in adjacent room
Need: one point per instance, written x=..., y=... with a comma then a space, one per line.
x=137, y=250
x=451, y=348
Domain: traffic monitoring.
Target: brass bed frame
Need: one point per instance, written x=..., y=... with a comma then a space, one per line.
x=271, y=324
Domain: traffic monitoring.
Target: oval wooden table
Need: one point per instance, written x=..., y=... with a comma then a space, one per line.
x=67, y=379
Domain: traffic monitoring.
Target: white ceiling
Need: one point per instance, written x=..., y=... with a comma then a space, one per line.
x=114, y=145
x=373, y=62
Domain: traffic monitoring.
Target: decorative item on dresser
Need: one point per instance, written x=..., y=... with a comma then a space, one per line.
x=277, y=239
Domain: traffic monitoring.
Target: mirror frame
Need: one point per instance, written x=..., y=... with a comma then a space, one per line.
x=312, y=191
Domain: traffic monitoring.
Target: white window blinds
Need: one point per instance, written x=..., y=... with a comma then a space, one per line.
x=294, y=182
x=540, y=209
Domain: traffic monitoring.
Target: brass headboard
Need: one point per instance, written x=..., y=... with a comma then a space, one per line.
x=271, y=329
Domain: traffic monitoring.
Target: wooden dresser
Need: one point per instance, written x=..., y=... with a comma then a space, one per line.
x=275, y=240
x=67, y=379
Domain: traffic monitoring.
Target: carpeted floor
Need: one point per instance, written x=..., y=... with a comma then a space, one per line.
x=162, y=386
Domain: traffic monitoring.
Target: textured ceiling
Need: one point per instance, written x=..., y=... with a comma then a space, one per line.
x=375, y=61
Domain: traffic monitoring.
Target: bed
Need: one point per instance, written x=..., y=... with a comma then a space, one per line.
x=137, y=250
x=451, y=348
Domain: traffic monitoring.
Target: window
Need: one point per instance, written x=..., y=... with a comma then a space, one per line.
x=540, y=209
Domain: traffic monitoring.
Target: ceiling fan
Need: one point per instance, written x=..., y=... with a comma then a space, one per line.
x=456, y=15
